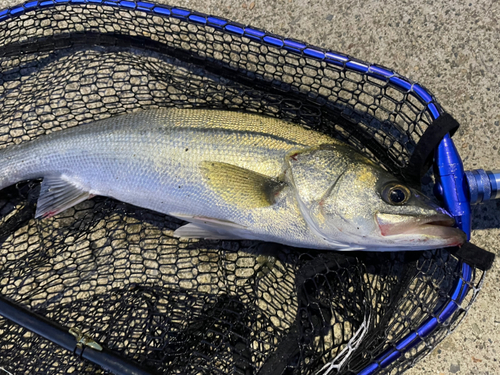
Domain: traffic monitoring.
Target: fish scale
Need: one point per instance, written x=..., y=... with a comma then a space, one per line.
x=231, y=175
x=151, y=159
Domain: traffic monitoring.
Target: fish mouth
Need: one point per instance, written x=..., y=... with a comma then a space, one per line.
x=436, y=228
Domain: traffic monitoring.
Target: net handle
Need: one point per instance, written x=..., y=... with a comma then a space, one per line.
x=59, y=335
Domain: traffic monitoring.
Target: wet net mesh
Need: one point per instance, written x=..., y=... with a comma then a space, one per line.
x=115, y=271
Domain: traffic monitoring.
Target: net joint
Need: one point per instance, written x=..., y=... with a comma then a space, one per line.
x=84, y=339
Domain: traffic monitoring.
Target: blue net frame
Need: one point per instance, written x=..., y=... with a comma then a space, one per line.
x=387, y=79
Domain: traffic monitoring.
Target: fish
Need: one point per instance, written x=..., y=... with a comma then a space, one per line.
x=232, y=175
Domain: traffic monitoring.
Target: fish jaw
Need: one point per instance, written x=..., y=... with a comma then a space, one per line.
x=435, y=230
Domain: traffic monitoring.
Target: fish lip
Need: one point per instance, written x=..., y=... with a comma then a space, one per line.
x=417, y=221
x=438, y=219
x=438, y=226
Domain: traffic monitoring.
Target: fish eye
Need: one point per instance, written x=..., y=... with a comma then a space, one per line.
x=396, y=194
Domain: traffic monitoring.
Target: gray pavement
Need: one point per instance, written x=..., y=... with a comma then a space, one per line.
x=450, y=47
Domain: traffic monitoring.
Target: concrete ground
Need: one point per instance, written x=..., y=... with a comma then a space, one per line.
x=450, y=47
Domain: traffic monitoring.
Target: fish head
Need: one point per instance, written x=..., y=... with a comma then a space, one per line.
x=345, y=197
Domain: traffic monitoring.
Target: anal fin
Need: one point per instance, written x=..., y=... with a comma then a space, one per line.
x=57, y=194
x=209, y=228
x=196, y=231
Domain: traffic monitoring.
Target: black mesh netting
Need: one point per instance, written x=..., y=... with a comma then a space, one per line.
x=202, y=307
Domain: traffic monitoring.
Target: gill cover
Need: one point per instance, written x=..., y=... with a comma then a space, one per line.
x=314, y=174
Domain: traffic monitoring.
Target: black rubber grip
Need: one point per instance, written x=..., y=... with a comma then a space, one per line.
x=475, y=256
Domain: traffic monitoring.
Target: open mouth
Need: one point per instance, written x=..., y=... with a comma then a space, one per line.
x=438, y=219
x=435, y=227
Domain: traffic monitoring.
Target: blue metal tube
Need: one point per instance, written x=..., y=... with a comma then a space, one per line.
x=451, y=176
x=483, y=185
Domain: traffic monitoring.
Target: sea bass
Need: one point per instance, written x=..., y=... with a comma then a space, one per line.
x=232, y=175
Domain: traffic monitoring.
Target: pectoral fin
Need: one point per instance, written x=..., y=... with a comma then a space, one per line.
x=239, y=186
x=58, y=194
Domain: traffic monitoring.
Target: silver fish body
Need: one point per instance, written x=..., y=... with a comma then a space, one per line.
x=231, y=175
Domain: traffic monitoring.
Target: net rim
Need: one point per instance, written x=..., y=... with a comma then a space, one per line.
x=349, y=63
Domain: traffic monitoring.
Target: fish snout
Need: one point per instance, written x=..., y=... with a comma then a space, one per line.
x=438, y=227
